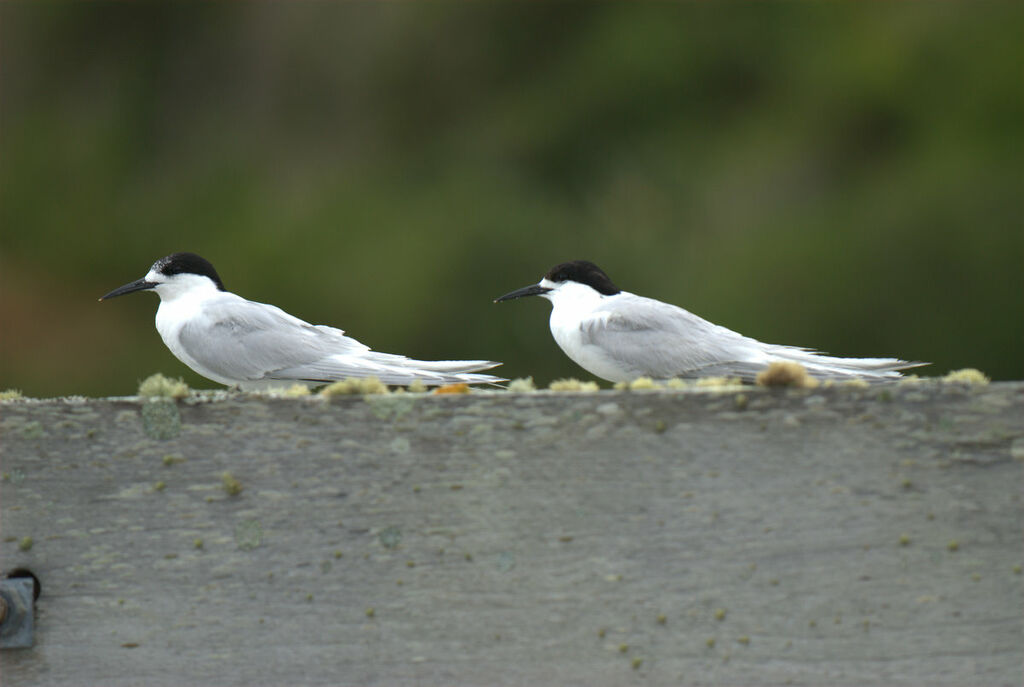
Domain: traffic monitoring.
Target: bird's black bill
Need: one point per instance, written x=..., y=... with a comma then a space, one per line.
x=137, y=285
x=532, y=290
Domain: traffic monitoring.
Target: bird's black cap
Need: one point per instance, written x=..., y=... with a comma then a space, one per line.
x=188, y=263
x=584, y=272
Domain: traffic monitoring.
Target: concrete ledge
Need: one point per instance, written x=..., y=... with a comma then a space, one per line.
x=836, y=536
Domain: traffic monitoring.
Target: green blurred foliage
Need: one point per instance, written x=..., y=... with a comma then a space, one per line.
x=841, y=176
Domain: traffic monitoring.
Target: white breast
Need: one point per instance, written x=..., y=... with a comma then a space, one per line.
x=573, y=305
x=179, y=307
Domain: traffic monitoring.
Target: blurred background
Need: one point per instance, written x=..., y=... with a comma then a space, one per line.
x=846, y=177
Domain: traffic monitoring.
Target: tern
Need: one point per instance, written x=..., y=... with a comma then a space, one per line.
x=253, y=346
x=619, y=336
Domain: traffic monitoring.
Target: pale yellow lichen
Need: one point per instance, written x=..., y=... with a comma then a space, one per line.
x=968, y=375
x=522, y=385
x=786, y=373
x=354, y=385
x=718, y=382
x=10, y=395
x=572, y=384
x=158, y=386
x=418, y=387
x=232, y=487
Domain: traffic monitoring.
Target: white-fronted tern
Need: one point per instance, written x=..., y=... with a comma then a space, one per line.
x=619, y=336
x=253, y=346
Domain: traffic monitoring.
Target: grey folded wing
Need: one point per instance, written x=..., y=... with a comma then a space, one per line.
x=659, y=340
x=245, y=340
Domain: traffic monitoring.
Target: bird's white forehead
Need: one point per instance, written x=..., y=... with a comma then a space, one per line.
x=571, y=294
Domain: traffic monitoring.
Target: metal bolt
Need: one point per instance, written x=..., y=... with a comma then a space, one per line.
x=16, y=613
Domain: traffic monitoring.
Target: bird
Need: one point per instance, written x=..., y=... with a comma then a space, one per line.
x=254, y=346
x=620, y=336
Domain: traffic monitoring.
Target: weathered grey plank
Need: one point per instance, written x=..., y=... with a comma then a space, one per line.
x=522, y=539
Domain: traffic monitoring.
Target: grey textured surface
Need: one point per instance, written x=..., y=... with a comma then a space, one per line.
x=841, y=536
